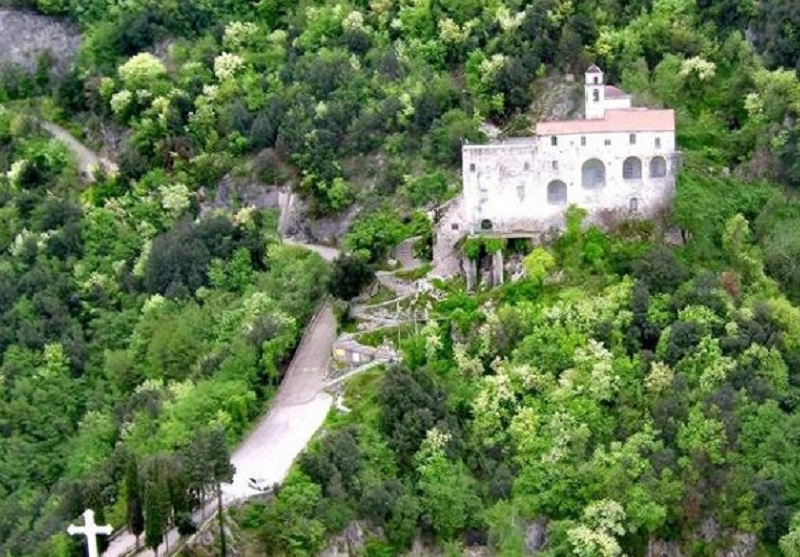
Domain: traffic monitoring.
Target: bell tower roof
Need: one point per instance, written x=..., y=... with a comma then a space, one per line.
x=593, y=69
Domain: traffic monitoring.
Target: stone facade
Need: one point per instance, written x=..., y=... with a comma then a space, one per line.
x=619, y=160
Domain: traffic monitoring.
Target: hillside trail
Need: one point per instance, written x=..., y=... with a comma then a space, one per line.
x=87, y=159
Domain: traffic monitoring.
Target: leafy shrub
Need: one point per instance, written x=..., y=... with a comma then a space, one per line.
x=350, y=275
x=375, y=234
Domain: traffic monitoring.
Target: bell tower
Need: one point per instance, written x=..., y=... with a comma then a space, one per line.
x=594, y=93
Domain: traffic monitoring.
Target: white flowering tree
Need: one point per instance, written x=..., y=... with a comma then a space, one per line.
x=143, y=71
x=596, y=536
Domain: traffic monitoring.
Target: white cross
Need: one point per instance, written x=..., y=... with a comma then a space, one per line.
x=90, y=530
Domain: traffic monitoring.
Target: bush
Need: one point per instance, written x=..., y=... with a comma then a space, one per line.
x=335, y=464
x=375, y=234
x=660, y=270
x=350, y=275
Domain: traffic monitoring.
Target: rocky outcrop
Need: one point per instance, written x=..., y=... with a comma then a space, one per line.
x=728, y=543
x=26, y=36
x=351, y=542
x=535, y=536
x=234, y=192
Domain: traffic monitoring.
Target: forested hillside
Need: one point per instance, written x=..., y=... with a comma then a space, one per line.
x=623, y=391
x=620, y=397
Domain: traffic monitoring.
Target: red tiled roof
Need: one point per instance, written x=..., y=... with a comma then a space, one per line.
x=615, y=92
x=617, y=120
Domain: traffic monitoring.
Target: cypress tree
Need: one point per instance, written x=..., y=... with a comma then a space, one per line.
x=221, y=471
x=133, y=489
x=156, y=503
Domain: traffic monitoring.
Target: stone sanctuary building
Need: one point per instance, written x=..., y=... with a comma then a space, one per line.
x=618, y=162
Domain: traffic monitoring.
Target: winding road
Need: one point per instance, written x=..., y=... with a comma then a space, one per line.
x=268, y=451
x=298, y=410
x=296, y=413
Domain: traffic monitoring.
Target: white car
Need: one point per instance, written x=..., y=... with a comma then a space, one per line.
x=260, y=484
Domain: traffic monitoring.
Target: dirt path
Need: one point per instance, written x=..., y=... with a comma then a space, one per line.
x=87, y=160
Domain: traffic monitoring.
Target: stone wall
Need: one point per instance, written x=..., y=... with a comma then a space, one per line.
x=25, y=36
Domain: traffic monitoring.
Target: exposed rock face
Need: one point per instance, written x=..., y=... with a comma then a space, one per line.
x=734, y=544
x=25, y=36
x=232, y=193
x=350, y=543
x=557, y=98
x=535, y=536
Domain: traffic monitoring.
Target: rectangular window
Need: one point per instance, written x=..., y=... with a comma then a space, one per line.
x=555, y=165
x=554, y=141
x=658, y=143
x=472, y=167
x=632, y=138
x=454, y=226
x=607, y=142
x=527, y=166
x=583, y=140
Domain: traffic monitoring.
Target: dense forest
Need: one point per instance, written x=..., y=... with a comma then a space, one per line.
x=623, y=391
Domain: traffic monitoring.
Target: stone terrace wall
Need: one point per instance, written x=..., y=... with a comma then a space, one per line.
x=24, y=36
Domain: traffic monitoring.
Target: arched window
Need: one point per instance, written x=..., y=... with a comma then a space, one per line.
x=632, y=168
x=596, y=95
x=594, y=174
x=486, y=224
x=658, y=167
x=557, y=193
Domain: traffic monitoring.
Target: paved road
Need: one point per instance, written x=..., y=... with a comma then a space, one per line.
x=297, y=412
x=87, y=160
x=328, y=253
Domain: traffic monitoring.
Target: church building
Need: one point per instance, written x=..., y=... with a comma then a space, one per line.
x=618, y=161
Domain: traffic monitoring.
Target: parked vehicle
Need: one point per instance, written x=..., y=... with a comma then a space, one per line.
x=260, y=484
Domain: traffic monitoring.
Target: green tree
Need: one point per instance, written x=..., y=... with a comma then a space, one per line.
x=448, y=500
x=156, y=501
x=506, y=534
x=790, y=543
x=133, y=494
x=350, y=275
x=222, y=471
x=538, y=264
x=602, y=522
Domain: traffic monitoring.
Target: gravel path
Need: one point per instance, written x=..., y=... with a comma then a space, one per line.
x=87, y=159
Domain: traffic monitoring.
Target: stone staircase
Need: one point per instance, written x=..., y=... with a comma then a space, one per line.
x=404, y=254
